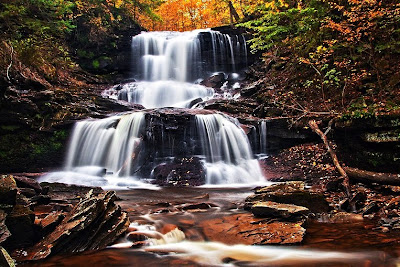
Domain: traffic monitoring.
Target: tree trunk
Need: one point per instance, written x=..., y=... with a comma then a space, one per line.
x=315, y=128
x=233, y=12
x=373, y=177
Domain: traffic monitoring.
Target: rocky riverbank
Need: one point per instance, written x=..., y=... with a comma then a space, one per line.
x=39, y=220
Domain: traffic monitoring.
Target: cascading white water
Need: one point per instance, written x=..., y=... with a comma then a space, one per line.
x=159, y=94
x=182, y=56
x=263, y=137
x=167, y=55
x=229, y=159
x=167, y=63
x=108, y=143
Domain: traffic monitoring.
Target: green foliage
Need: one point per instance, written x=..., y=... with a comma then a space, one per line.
x=48, y=35
x=95, y=64
x=347, y=47
x=273, y=28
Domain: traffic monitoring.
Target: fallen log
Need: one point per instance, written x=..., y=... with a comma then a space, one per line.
x=373, y=177
x=314, y=126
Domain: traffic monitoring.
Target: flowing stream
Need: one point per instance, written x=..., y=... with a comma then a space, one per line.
x=126, y=150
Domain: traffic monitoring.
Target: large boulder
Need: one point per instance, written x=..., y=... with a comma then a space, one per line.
x=20, y=223
x=215, y=80
x=180, y=172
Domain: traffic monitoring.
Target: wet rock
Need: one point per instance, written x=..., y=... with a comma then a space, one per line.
x=215, y=81
x=94, y=223
x=345, y=217
x=65, y=194
x=273, y=209
x=244, y=106
x=28, y=192
x=25, y=182
x=8, y=191
x=195, y=101
x=135, y=237
x=201, y=206
x=245, y=229
x=4, y=232
x=40, y=199
x=168, y=228
x=20, y=224
x=205, y=196
x=181, y=172
x=344, y=204
x=358, y=200
x=50, y=222
x=370, y=208
x=289, y=193
x=334, y=185
x=252, y=88
x=287, y=187
x=5, y=259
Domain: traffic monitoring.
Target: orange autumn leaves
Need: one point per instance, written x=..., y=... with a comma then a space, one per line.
x=185, y=15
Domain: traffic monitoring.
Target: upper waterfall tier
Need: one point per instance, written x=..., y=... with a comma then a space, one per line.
x=186, y=56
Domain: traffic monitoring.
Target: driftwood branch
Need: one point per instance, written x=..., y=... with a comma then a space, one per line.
x=373, y=177
x=315, y=128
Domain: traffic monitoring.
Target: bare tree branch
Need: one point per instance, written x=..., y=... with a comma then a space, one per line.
x=346, y=183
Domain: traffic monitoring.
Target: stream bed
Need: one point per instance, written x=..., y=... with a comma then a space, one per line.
x=163, y=211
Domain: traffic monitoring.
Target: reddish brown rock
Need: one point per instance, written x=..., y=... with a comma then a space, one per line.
x=94, y=223
x=197, y=206
x=50, y=222
x=345, y=217
x=25, y=182
x=245, y=229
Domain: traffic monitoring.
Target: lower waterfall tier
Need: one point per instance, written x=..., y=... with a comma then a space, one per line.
x=168, y=146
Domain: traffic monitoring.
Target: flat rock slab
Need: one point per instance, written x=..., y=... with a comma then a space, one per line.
x=273, y=209
x=289, y=193
x=245, y=229
x=287, y=187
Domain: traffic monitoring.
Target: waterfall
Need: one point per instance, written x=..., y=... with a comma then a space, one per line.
x=133, y=145
x=108, y=143
x=229, y=158
x=168, y=63
x=159, y=94
x=263, y=137
x=185, y=56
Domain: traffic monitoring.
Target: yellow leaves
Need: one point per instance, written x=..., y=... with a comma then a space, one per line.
x=118, y=3
x=321, y=49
